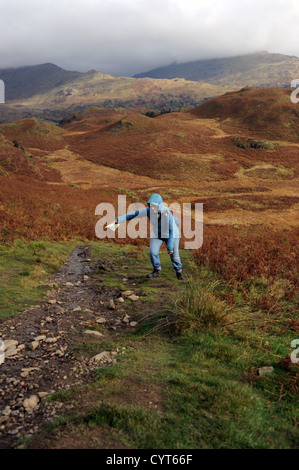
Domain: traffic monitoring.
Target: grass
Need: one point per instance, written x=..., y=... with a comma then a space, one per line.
x=197, y=388
x=24, y=268
x=198, y=394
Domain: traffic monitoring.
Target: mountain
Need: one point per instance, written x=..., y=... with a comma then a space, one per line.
x=49, y=92
x=24, y=82
x=260, y=69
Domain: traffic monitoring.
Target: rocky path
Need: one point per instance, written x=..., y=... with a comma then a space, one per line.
x=38, y=358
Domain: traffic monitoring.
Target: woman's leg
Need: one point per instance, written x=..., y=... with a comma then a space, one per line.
x=155, y=245
x=175, y=257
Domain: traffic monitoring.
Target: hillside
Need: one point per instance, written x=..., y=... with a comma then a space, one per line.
x=260, y=69
x=49, y=92
x=264, y=113
x=97, y=355
x=215, y=153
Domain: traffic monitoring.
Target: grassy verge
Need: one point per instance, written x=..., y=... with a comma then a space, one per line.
x=24, y=268
x=197, y=387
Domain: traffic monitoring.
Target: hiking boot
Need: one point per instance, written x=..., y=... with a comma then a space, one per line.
x=179, y=275
x=155, y=273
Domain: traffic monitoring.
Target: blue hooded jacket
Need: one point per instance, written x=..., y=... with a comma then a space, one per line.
x=163, y=222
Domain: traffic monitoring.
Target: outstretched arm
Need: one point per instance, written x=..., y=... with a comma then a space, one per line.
x=132, y=215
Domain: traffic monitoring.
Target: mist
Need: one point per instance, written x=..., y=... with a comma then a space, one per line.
x=125, y=37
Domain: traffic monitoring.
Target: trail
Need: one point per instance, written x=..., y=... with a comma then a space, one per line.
x=39, y=359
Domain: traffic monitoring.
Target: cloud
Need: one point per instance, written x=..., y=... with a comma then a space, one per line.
x=124, y=37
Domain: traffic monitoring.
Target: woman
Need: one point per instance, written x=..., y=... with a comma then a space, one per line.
x=164, y=229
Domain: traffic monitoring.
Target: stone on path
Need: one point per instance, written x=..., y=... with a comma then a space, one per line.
x=34, y=345
x=8, y=343
x=51, y=340
x=93, y=333
x=133, y=297
x=31, y=403
x=128, y=292
x=100, y=357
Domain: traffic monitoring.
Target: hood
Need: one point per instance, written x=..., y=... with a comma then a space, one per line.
x=156, y=199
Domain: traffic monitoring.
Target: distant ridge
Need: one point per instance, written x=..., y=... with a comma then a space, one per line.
x=259, y=69
x=24, y=82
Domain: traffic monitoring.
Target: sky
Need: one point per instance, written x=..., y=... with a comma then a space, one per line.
x=126, y=37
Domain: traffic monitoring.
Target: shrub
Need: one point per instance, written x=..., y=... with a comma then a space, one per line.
x=254, y=144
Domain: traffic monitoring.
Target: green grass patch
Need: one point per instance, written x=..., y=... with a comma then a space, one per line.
x=24, y=268
x=192, y=387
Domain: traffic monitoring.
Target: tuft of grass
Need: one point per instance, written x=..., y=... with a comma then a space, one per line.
x=199, y=307
x=194, y=308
